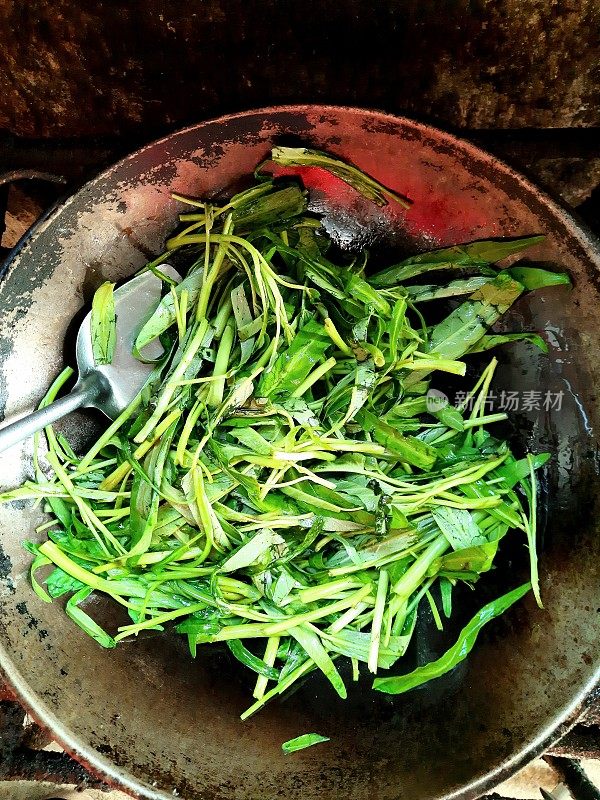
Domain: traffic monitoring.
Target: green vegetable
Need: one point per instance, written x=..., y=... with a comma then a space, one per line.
x=488, y=342
x=446, y=593
x=248, y=659
x=513, y=471
x=103, y=324
x=84, y=621
x=458, y=526
x=425, y=293
x=530, y=523
x=302, y=742
x=287, y=482
x=60, y=582
x=475, y=255
x=459, y=650
x=474, y=559
x=535, y=278
x=367, y=186
x=465, y=326
x=166, y=313
x=273, y=209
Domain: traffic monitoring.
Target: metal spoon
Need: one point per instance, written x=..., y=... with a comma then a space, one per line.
x=110, y=387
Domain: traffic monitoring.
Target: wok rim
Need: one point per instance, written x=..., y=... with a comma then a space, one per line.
x=102, y=767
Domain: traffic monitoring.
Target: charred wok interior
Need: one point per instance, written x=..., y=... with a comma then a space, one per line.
x=505, y=701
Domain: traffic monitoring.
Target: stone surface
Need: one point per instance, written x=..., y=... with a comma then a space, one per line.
x=576, y=176
x=526, y=784
x=72, y=69
x=21, y=213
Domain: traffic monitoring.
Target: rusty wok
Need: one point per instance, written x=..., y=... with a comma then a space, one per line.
x=146, y=716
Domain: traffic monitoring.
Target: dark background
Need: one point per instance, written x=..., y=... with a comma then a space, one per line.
x=105, y=68
x=83, y=83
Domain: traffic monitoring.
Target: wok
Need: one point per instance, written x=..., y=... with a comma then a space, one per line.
x=148, y=718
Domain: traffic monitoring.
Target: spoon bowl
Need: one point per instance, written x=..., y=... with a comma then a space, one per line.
x=108, y=387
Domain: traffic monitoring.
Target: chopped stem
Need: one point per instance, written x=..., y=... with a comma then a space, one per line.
x=413, y=576
x=380, y=599
x=335, y=337
x=217, y=389
x=269, y=659
x=313, y=377
x=171, y=386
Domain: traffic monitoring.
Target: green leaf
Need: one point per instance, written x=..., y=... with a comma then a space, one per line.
x=251, y=661
x=84, y=549
x=252, y=439
x=165, y=316
x=39, y=561
x=427, y=292
x=365, y=378
x=356, y=491
x=243, y=320
x=493, y=340
x=450, y=417
x=61, y=511
x=59, y=583
x=477, y=558
x=359, y=289
x=464, y=326
x=145, y=497
x=294, y=363
x=282, y=587
x=514, y=471
x=455, y=654
x=473, y=255
x=302, y=742
x=367, y=186
x=446, y=595
x=406, y=448
x=396, y=327
x=265, y=543
x=411, y=407
x=298, y=409
x=269, y=209
x=85, y=622
x=355, y=644
x=200, y=627
x=311, y=643
x=397, y=542
x=458, y=526
x=535, y=278
x=103, y=324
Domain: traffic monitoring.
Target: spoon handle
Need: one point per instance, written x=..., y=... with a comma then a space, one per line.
x=82, y=395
